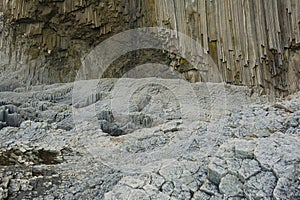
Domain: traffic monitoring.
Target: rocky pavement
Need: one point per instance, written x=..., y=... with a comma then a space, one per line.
x=251, y=151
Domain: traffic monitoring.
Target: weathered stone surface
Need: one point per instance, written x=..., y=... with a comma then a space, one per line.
x=248, y=169
x=46, y=39
x=201, y=196
x=245, y=149
x=167, y=188
x=135, y=181
x=217, y=170
x=284, y=185
x=260, y=186
x=171, y=171
x=209, y=188
x=231, y=186
x=225, y=37
x=205, y=159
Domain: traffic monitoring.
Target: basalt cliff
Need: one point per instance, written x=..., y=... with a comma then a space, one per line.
x=252, y=43
x=150, y=99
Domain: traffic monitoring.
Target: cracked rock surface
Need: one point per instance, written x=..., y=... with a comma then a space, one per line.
x=250, y=152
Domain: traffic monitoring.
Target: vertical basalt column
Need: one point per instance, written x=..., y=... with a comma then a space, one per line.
x=254, y=43
x=43, y=41
x=250, y=41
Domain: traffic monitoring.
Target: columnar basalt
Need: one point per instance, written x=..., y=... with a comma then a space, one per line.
x=254, y=43
x=43, y=41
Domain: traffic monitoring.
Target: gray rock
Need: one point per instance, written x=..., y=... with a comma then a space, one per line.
x=151, y=190
x=2, y=114
x=25, y=185
x=248, y=169
x=173, y=160
x=167, y=187
x=14, y=186
x=217, y=197
x=209, y=188
x=134, y=181
x=261, y=185
x=292, y=122
x=157, y=180
x=3, y=193
x=148, y=144
x=5, y=181
x=200, y=196
x=66, y=124
x=231, y=186
x=181, y=194
x=139, y=194
x=287, y=189
x=13, y=120
x=161, y=196
x=171, y=172
x=217, y=170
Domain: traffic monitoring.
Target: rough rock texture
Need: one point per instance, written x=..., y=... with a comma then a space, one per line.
x=145, y=137
x=43, y=41
x=253, y=43
x=250, y=152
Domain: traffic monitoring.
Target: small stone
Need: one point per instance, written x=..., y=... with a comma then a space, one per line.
x=26, y=124
x=260, y=186
x=14, y=186
x=133, y=181
x=217, y=197
x=1, y=193
x=209, y=188
x=171, y=172
x=266, y=154
x=25, y=186
x=233, y=165
x=150, y=189
x=200, y=196
x=161, y=196
x=287, y=189
x=248, y=169
x=190, y=182
x=167, y=187
x=69, y=196
x=181, y=194
x=157, y=180
x=138, y=194
x=244, y=149
x=5, y=181
x=47, y=184
x=49, y=197
x=236, y=198
x=216, y=170
x=230, y=185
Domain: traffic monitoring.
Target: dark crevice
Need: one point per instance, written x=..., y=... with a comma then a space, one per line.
x=16, y=157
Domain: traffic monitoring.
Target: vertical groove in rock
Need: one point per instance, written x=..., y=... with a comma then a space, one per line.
x=43, y=41
x=254, y=43
x=250, y=41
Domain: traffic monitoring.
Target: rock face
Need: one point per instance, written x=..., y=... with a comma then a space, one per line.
x=253, y=43
x=43, y=41
x=157, y=136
